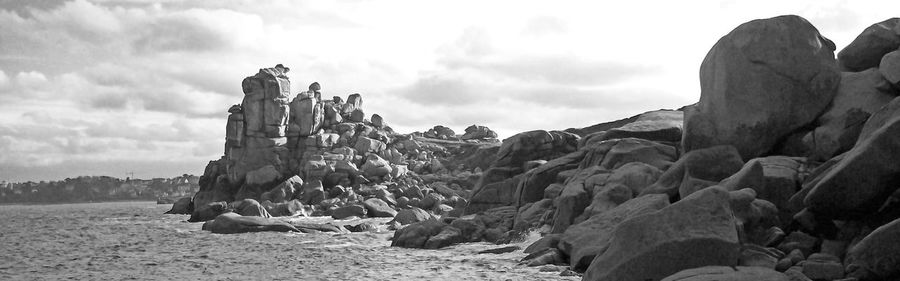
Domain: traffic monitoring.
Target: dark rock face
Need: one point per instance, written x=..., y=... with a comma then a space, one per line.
x=859, y=96
x=696, y=170
x=861, y=182
x=877, y=256
x=184, y=206
x=697, y=231
x=759, y=83
x=873, y=43
x=208, y=212
x=478, y=132
x=231, y=223
x=728, y=273
x=532, y=145
x=583, y=241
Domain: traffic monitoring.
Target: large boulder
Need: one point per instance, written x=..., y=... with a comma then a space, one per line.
x=284, y=191
x=612, y=154
x=870, y=46
x=533, y=145
x=583, y=241
x=417, y=234
x=496, y=187
x=249, y=208
x=231, y=223
x=285, y=209
x=877, y=256
x=696, y=170
x=208, y=212
x=662, y=126
x=890, y=67
x=183, y=206
x=761, y=82
x=307, y=115
x=378, y=208
x=475, y=132
x=412, y=215
x=375, y=166
x=859, y=96
x=860, y=183
x=697, y=231
x=534, y=181
x=728, y=273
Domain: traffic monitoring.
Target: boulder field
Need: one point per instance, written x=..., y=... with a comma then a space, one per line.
x=785, y=169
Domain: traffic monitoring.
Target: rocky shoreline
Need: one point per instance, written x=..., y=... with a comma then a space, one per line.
x=784, y=170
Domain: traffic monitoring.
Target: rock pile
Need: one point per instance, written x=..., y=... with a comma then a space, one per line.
x=302, y=155
x=784, y=170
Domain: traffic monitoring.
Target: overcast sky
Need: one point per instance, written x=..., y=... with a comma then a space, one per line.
x=109, y=87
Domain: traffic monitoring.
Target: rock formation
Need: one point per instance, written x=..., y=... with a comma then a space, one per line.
x=733, y=187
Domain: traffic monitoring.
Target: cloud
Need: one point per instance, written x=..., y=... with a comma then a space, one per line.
x=4, y=80
x=545, y=26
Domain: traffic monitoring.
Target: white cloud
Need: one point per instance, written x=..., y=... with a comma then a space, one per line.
x=93, y=85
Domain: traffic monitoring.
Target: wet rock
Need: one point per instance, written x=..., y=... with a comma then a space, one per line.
x=362, y=227
x=184, y=206
x=501, y=250
x=546, y=242
x=547, y=256
x=208, y=212
x=417, y=234
x=870, y=46
x=656, y=245
x=448, y=236
x=231, y=223
x=761, y=82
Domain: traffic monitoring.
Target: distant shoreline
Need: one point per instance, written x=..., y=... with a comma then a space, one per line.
x=78, y=202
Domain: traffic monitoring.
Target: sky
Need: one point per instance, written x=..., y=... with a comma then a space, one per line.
x=110, y=87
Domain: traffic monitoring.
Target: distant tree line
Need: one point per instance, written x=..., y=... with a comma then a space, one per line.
x=98, y=189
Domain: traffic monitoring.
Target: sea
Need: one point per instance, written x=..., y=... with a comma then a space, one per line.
x=136, y=241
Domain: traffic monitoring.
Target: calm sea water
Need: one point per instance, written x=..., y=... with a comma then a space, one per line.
x=136, y=241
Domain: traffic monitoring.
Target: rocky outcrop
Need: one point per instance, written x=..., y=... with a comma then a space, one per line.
x=532, y=145
x=728, y=273
x=877, y=256
x=478, y=132
x=762, y=81
x=184, y=206
x=231, y=223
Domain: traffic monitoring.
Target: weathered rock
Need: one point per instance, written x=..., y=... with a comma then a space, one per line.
x=348, y=211
x=283, y=192
x=475, y=132
x=312, y=193
x=661, y=126
x=249, y=208
x=265, y=103
x=870, y=46
x=860, y=183
x=877, y=256
x=823, y=267
x=411, y=215
x=375, y=166
x=417, y=234
x=547, y=256
x=440, y=132
x=583, y=241
x=307, y=116
x=783, y=178
x=208, y=212
x=378, y=208
x=574, y=199
x=530, y=214
x=890, y=67
x=358, y=115
x=377, y=121
x=365, y=145
x=497, y=187
x=534, y=181
x=286, y=209
x=231, y=223
x=657, y=245
x=612, y=154
x=532, y=145
x=354, y=102
x=696, y=170
x=859, y=95
x=761, y=82
x=184, y=206
x=728, y=273
x=449, y=235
